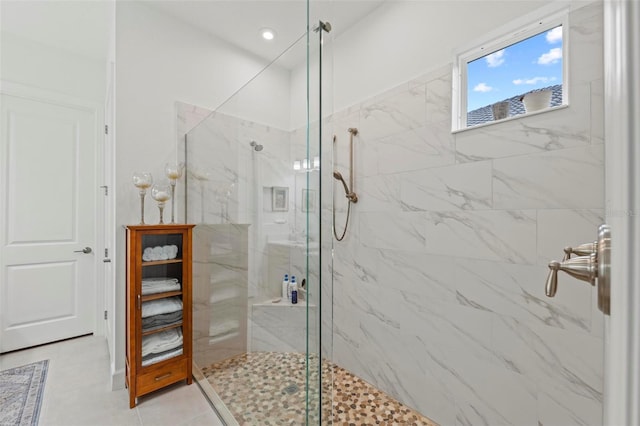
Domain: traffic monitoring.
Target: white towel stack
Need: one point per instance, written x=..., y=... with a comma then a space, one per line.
x=159, y=285
x=160, y=253
x=153, y=358
x=161, y=306
x=162, y=341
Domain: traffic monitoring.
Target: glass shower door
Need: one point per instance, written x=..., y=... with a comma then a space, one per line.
x=252, y=185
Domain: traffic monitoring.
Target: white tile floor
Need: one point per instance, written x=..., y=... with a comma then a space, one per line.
x=77, y=390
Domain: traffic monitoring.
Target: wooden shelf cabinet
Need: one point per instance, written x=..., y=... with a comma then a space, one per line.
x=159, y=316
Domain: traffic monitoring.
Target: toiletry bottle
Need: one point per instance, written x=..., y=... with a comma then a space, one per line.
x=292, y=283
x=294, y=293
x=285, y=286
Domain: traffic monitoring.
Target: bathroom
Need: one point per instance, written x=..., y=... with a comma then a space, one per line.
x=446, y=250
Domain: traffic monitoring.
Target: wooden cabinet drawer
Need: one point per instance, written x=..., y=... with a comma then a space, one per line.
x=165, y=373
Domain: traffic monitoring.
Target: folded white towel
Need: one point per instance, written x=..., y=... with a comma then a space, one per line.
x=159, y=285
x=162, y=341
x=153, y=358
x=161, y=306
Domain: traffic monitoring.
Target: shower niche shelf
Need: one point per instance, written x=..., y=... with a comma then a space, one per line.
x=159, y=319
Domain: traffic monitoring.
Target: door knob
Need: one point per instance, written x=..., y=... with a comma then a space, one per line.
x=593, y=265
x=85, y=250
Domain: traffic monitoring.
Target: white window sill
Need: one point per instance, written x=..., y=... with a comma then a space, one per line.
x=514, y=117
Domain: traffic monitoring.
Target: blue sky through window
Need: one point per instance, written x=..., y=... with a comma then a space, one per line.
x=530, y=64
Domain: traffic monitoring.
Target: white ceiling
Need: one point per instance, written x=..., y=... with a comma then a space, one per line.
x=239, y=21
x=82, y=27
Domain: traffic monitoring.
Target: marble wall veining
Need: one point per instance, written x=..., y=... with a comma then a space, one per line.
x=436, y=295
x=228, y=182
x=438, y=289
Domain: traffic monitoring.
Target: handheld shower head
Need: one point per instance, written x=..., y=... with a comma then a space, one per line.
x=350, y=195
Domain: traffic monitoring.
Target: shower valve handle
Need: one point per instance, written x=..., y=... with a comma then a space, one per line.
x=582, y=267
x=593, y=261
x=581, y=250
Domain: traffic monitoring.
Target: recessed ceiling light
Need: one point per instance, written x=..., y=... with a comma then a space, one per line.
x=267, y=33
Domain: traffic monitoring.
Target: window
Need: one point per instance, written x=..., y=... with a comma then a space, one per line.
x=519, y=73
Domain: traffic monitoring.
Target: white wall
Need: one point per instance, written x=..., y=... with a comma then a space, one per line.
x=160, y=60
x=37, y=65
x=447, y=251
x=58, y=46
x=397, y=42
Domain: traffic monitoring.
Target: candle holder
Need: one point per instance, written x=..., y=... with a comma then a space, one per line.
x=142, y=181
x=174, y=172
x=161, y=193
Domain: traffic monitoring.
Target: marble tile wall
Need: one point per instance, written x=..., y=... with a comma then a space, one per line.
x=229, y=182
x=446, y=252
x=438, y=288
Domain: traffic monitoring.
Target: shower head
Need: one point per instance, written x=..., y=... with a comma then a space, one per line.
x=338, y=176
x=350, y=195
x=256, y=146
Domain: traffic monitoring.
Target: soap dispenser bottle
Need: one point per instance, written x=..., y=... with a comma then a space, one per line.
x=294, y=293
x=292, y=284
x=285, y=286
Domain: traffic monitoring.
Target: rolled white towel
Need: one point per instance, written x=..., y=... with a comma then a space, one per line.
x=147, y=254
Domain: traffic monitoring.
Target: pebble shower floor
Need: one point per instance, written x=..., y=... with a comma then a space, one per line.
x=268, y=389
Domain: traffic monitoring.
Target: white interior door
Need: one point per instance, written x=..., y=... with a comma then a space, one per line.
x=47, y=217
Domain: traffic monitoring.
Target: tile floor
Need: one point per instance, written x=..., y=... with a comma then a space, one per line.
x=77, y=391
x=268, y=388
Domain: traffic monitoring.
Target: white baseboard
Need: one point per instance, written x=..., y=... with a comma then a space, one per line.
x=117, y=379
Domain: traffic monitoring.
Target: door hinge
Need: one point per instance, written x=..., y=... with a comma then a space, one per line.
x=106, y=129
x=106, y=315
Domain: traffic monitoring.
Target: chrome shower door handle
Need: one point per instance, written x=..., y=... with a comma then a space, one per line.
x=593, y=266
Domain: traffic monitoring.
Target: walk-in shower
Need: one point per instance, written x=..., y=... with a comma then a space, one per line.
x=261, y=358
x=432, y=306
